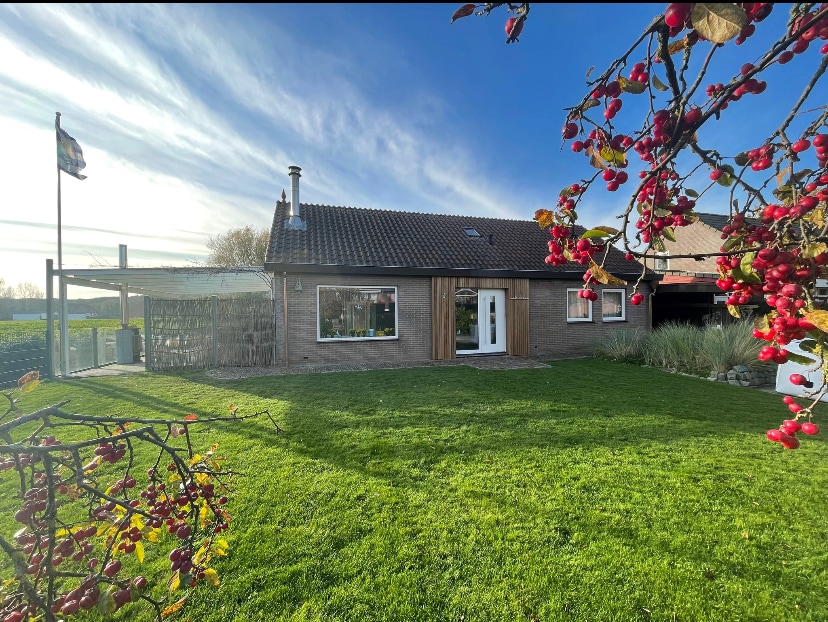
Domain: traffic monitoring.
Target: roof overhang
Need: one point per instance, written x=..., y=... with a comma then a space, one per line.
x=193, y=282
x=573, y=275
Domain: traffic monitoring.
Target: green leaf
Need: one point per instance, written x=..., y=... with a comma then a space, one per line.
x=725, y=180
x=658, y=84
x=732, y=242
x=600, y=232
x=741, y=159
x=800, y=359
x=691, y=193
x=669, y=233
x=628, y=86
x=809, y=345
x=718, y=23
x=658, y=244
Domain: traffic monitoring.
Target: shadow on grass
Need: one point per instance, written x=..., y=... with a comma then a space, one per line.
x=404, y=420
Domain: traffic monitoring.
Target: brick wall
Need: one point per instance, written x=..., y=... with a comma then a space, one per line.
x=550, y=335
x=413, y=342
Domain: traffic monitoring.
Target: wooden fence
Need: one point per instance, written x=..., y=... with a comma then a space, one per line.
x=209, y=332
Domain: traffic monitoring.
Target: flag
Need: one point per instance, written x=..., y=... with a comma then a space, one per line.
x=69, y=154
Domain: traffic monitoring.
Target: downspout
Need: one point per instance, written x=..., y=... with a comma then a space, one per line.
x=285, y=304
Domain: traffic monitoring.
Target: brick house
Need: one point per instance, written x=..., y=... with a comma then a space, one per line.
x=352, y=284
x=687, y=291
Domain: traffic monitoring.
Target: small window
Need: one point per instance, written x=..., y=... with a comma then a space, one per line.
x=612, y=305
x=661, y=262
x=577, y=309
x=472, y=232
x=368, y=312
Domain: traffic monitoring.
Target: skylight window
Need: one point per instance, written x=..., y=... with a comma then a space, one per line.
x=472, y=232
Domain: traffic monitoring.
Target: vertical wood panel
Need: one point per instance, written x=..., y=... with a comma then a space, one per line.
x=442, y=313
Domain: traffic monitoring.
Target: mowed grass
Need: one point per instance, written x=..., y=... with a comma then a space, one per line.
x=589, y=491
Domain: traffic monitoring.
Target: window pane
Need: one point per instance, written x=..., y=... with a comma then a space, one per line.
x=357, y=312
x=577, y=308
x=613, y=305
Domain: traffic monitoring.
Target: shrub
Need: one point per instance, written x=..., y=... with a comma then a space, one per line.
x=675, y=345
x=625, y=345
x=724, y=347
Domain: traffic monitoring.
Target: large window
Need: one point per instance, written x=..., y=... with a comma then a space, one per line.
x=577, y=309
x=612, y=305
x=357, y=312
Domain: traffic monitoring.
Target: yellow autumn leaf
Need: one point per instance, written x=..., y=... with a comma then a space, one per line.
x=139, y=552
x=211, y=576
x=29, y=386
x=676, y=46
x=819, y=319
x=151, y=536
x=629, y=86
x=545, y=218
x=602, y=276
x=734, y=311
x=175, y=583
x=168, y=611
x=612, y=156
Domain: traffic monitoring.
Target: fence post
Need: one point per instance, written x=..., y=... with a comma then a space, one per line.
x=147, y=332
x=214, y=314
x=95, y=347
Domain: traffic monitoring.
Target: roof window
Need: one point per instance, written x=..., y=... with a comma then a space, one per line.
x=472, y=232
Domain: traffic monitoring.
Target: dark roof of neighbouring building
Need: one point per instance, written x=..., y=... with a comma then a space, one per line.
x=411, y=241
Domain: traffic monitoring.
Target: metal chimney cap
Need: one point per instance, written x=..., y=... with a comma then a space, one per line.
x=294, y=170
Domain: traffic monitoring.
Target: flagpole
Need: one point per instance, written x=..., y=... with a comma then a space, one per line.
x=64, y=315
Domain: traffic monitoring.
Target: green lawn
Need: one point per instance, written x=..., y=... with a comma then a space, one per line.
x=589, y=491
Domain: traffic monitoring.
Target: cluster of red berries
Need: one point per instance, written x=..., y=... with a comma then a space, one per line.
x=786, y=433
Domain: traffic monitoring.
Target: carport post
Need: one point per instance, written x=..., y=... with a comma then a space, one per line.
x=50, y=320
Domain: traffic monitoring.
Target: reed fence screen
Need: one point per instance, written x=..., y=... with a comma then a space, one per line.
x=209, y=332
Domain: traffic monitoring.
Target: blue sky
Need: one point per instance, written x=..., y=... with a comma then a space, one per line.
x=189, y=116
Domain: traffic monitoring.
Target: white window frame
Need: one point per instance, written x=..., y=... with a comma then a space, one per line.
x=581, y=301
x=380, y=289
x=661, y=261
x=623, y=295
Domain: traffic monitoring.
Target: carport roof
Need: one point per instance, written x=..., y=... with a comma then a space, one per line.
x=194, y=282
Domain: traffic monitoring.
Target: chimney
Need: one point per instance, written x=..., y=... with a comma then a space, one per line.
x=294, y=221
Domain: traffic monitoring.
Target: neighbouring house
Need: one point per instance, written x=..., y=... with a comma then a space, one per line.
x=687, y=291
x=354, y=284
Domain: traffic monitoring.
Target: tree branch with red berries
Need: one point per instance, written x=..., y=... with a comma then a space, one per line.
x=85, y=519
x=775, y=248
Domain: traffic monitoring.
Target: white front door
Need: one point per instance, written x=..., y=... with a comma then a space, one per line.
x=480, y=317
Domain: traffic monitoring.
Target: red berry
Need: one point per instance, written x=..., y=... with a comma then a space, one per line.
x=798, y=379
x=513, y=31
x=801, y=145
x=791, y=426
x=112, y=568
x=570, y=130
x=810, y=428
x=677, y=13
x=790, y=443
